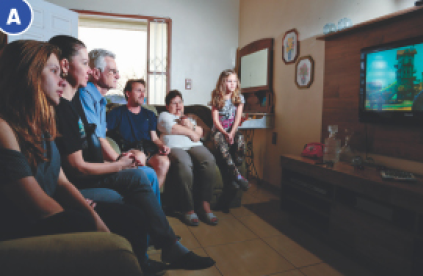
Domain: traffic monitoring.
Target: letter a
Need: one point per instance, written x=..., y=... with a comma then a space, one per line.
x=13, y=17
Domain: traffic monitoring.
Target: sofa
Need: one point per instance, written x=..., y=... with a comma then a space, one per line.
x=82, y=254
x=204, y=118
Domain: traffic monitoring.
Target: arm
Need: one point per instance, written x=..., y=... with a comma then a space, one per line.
x=216, y=122
x=238, y=117
x=109, y=153
x=77, y=165
x=69, y=196
x=163, y=149
x=26, y=192
x=168, y=125
x=195, y=136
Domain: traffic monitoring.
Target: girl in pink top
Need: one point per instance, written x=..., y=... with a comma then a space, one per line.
x=227, y=106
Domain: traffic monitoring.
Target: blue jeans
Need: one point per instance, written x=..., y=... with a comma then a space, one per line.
x=135, y=189
x=111, y=196
x=107, y=195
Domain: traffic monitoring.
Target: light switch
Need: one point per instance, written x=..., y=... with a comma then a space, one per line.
x=188, y=84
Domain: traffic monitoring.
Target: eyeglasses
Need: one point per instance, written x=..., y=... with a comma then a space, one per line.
x=176, y=103
x=113, y=72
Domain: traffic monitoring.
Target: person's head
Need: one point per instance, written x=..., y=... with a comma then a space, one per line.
x=104, y=70
x=175, y=103
x=73, y=60
x=227, y=83
x=30, y=85
x=135, y=92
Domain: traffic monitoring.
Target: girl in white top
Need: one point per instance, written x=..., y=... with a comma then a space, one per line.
x=227, y=106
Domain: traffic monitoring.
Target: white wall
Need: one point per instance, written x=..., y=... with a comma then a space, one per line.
x=204, y=37
x=298, y=112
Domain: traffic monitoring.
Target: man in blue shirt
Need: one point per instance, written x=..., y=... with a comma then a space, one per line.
x=139, y=124
x=104, y=77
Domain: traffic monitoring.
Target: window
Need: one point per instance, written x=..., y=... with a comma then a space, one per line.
x=142, y=45
x=125, y=37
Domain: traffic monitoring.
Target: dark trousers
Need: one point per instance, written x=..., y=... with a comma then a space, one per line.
x=194, y=169
x=136, y=190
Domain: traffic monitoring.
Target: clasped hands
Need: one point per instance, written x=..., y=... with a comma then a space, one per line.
x=186, y=122
x=132, y=158
x=229, y=136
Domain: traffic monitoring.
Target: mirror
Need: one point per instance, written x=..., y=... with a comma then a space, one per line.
x=254, y=69
x=256, y=66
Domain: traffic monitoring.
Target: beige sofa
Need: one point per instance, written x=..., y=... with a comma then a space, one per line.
x=82, y=254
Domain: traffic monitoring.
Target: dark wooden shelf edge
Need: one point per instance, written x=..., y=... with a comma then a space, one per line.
x=304, y=190
x=311, y=208
x=370, y=23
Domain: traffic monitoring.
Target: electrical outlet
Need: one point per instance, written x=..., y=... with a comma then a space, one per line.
x=274, y=137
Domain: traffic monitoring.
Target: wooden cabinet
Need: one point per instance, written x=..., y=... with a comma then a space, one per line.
x=379, y=222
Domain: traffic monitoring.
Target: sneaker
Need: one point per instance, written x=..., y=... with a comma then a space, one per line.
x=242, y=182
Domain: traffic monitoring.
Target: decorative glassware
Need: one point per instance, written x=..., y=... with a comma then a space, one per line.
x=332, y=146
x=329, y=28
x=344, y=23
x=326, y=29
x=332, y=27
x=346, y=153
x=347, y=23
x=341, y=24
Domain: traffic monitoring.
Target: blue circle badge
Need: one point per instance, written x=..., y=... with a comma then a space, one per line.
x=15, y=16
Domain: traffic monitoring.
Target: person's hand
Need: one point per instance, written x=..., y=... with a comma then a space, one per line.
x=195, y=137
x=229, y=138
x=139, y=157
x=164, y=150
x=186, y=122
x=91, y=202
x=99, y=223
x=127, y=161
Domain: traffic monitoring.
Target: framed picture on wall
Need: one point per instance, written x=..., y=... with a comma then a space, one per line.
x=290, y=46
x=304, y=72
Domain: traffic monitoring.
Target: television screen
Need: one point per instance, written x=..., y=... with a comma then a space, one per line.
x=392, y=82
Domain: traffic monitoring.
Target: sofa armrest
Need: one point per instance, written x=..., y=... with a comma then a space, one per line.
x=69, y=254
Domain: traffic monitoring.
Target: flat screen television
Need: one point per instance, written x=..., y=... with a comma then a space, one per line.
x=391, y=83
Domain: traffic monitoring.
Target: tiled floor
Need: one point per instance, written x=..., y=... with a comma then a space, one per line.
x=258, y=239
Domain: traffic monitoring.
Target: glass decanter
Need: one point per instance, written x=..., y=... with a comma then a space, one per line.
x=346, y=153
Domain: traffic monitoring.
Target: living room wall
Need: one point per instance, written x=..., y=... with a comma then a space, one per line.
x=298, y=112
x=204, y=37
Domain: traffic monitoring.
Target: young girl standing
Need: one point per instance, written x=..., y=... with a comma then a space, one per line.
x=227, y=106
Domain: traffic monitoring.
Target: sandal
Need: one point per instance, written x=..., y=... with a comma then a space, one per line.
x=209, y=218
x=191, y=219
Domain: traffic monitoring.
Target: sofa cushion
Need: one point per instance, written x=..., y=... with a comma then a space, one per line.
x=69, y=254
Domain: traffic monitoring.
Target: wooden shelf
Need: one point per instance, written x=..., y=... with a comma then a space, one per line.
x=377, y=220
x=371, y=23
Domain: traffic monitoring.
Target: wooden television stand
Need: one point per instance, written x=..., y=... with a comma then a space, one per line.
x=380, y=222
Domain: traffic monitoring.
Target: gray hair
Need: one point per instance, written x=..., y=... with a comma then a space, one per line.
x=97, y=58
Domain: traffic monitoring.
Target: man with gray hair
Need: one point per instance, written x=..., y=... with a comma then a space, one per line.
x=104, y=77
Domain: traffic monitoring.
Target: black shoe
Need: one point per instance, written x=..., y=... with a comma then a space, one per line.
x=192, y=261
x=153, y=268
